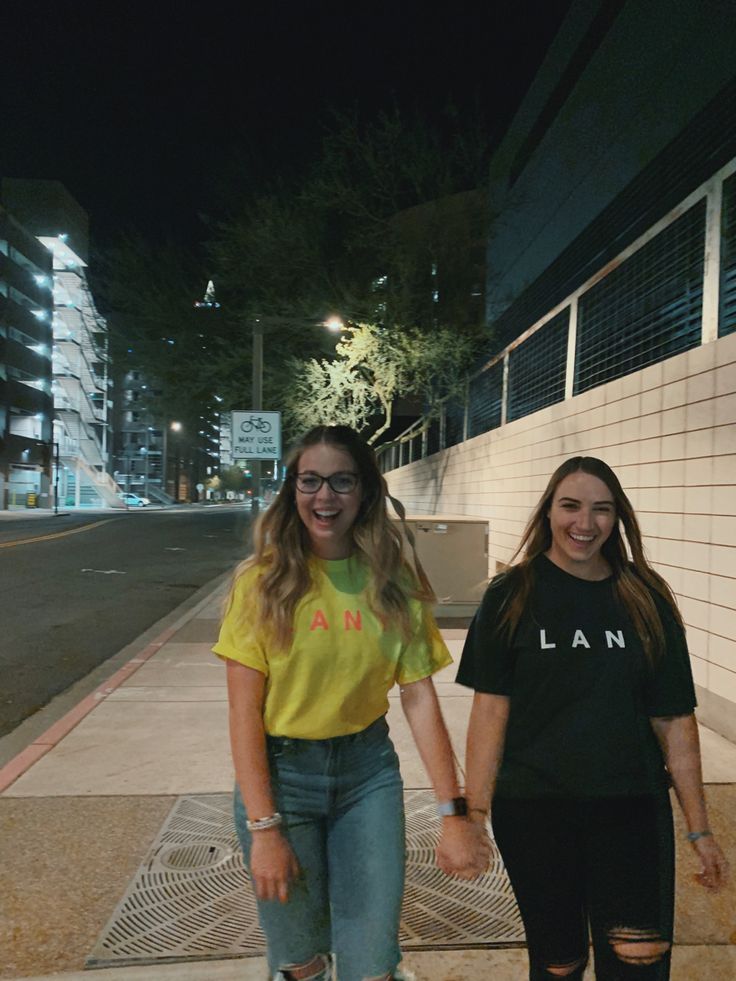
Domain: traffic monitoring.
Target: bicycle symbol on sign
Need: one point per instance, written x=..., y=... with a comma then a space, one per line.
x=257, y=423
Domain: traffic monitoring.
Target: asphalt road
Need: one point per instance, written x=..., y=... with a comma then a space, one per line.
x=74, y=590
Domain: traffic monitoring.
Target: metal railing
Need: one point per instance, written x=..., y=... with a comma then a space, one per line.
x=660, y=297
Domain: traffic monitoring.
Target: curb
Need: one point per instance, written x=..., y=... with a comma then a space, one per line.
x=51, y=738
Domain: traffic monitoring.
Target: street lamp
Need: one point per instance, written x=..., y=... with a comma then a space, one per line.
x=144, y=452
x=176, y=427
x=333, y=323
x=57, y=465
x=256, y=399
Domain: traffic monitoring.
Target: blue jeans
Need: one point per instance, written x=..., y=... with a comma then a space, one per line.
x=343, y=812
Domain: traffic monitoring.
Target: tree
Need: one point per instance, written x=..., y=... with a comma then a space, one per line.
x=359, y=233
x=331, y=241
x=372, y=367
x=383, y=228
x=233, y=479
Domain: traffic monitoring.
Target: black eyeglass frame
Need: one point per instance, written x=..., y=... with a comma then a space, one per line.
x=328, y=480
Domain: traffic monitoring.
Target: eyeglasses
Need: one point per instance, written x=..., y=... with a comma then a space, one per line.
x=341, y=483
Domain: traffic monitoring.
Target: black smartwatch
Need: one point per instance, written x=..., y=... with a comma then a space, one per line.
x=457, y=807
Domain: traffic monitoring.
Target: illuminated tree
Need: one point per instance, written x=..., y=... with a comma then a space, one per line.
x=372, y=367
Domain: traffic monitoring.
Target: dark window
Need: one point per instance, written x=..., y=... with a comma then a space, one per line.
x=21, y=260
x=727, y=318
x=454, y=423
x=22, y=299
x=648, y=309
x=537, y=368
x=433, y=437
x=485, y=396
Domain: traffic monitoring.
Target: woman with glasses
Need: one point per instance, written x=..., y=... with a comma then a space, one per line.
x=322, y=620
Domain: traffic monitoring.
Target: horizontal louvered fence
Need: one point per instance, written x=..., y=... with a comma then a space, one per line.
x=663, y=295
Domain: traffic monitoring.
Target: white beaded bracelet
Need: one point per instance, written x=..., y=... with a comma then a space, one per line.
x=262, y=824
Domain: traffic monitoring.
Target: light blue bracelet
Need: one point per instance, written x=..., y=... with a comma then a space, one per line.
x=695, y=835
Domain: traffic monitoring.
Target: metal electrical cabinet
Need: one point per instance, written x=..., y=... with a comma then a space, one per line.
x=454, y=553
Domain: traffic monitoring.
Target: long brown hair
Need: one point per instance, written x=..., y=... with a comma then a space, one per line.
x=282, y=548
x=633, y=577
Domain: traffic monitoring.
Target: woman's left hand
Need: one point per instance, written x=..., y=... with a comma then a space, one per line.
x=714, y=869
x=464, y=850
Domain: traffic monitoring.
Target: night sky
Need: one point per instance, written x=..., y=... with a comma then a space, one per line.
x=144, y=110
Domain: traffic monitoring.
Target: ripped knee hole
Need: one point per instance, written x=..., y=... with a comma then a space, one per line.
x=636, y=946
x=565, y=970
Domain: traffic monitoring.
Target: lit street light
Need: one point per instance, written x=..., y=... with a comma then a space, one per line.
x=176, y=427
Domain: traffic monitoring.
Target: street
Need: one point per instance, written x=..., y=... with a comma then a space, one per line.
x=78, y=588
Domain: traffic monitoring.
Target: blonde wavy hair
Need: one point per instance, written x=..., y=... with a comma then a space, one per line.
x=281, y=546
x=634, y=580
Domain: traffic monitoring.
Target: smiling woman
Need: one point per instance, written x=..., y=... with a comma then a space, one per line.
x=324, y=619
x=328, y=498
x=583, y=712
x=581, y=518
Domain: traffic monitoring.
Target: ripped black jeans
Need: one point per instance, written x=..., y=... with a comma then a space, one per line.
x=606, y=864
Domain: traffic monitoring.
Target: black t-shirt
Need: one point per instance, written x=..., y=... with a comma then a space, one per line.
x=582, y=691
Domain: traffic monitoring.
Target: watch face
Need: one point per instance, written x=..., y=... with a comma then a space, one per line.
x=461, y=806
x=457, y=807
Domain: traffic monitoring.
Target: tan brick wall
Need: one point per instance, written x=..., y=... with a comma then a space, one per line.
x=669, y=432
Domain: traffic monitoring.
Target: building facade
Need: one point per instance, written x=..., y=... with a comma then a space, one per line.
x=81, y=385
x=26, y=406
x=611, y=303
x=140, y=439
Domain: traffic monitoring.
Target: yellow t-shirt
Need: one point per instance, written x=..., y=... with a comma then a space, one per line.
x=335, y=677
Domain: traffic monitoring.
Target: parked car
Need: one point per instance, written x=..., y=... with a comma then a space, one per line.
x=133, y=500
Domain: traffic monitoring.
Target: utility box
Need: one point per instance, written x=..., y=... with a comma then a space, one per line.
x=454, y=553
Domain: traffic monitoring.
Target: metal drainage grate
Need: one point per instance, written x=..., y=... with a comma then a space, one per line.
x=191, y=897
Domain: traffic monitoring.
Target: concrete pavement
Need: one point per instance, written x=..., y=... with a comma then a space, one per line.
x=83, y=804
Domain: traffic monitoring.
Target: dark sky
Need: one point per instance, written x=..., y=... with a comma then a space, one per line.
x=139, y=108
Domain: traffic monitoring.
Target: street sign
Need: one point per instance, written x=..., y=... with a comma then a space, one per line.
x=256, y=435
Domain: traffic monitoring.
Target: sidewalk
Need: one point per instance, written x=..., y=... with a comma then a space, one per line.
x=87, y=809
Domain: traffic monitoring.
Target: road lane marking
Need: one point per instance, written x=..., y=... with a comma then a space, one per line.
x=107, y=572
x=56, y=534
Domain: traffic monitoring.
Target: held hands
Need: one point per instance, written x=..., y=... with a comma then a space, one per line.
x=464, y=850
x=714, y=869
x=273, y=865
